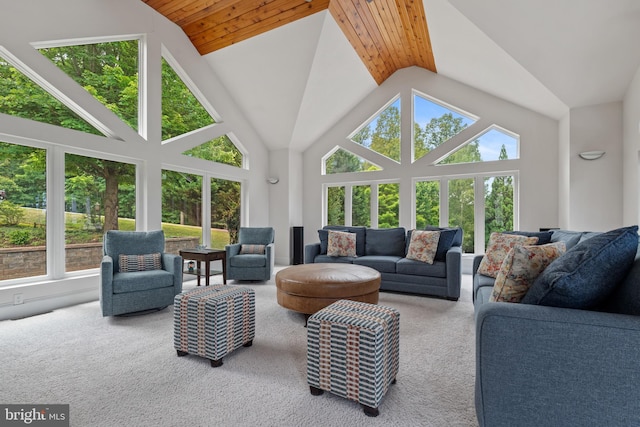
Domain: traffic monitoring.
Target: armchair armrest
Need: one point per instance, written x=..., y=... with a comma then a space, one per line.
x=311, y=251
x=106, y=283
x=173, y=264
x=233, y=249
x=539, y=365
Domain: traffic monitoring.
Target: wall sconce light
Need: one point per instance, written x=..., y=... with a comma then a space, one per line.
x=273, y=180
x=592, y=155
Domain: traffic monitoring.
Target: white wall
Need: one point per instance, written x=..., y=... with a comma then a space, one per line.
x=631, y=148
x=596, y=185
x=30, y=21
x=538, y=149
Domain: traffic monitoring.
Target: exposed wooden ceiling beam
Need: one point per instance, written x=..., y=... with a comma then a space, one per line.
x=387, y=34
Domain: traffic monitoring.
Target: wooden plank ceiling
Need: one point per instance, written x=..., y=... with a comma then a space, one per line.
x=387, y=34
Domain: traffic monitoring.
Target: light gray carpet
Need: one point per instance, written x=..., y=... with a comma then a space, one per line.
x=124, y=371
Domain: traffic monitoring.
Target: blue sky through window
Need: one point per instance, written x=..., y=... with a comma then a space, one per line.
x=491, y=142
x=424, y=110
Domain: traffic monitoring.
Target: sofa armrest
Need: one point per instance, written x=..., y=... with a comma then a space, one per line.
x=454, y=272
x=476, y=264
x=173, y=264
x=311, y=251
x=549, y=366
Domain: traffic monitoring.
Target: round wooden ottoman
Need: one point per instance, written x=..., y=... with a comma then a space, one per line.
x=308, y=288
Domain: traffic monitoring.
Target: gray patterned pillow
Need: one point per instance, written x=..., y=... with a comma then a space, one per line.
x=129, y=263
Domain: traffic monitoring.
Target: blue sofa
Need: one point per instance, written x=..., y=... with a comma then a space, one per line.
x=540, y=365
x=385, y=250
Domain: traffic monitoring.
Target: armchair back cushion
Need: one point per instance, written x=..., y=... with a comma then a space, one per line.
x=255, y=235
x=118, y=243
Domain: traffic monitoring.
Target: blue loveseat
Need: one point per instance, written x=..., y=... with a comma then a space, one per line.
x=385, y=249
x=539, y=365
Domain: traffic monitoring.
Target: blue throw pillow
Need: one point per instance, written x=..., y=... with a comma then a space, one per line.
x=448, y=238
x=570, y=238
x=588, y=272
x=625, y=298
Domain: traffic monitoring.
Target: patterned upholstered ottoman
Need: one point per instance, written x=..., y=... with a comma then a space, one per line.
x=213, y=321
x=353, y=351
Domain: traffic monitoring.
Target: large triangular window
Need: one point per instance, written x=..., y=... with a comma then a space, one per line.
x=341, y=161
x=382, y=133
x=108, y=71
x=434, y=123
x=21, y=97
x=181, y=110
x=219, y=150
x=493, y=144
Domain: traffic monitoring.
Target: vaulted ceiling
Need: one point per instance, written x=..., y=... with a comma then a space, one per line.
x=295, y=67
x=386, y=34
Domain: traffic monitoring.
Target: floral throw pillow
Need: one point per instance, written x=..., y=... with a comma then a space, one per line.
x=423, y=245
x=499, y=246
x=341, y=243
x=521, y=267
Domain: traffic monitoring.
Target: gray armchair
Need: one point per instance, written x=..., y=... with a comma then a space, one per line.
x=244, y=265
x=144, y=278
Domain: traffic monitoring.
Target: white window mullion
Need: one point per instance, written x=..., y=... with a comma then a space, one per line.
x=444, y=202
x=206, y=210
x=479, y=221
x=55, y=213
x=374, y=205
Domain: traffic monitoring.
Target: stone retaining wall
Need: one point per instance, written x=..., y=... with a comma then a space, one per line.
x=31, y=261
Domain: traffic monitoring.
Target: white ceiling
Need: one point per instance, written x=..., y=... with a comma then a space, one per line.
x=293, y=83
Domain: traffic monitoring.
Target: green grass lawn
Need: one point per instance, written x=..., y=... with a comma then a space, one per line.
x=34, y=221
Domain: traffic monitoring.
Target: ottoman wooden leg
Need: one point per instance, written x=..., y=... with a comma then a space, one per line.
x=315, y=391
x=181, y=353
x=216, y=363
x=248, y=344
x=370, y=412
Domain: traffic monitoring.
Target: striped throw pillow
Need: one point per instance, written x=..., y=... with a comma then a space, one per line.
x=129, y=263
x=252, y=249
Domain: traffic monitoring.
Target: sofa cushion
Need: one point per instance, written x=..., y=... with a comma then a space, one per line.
x=417, y=268
x=448, y=237
x=499, y=246
x=423, y=245
x=145, y=262
x=522, y=265
x=382, y=263
x=327, y=258
x=341, y=243
x=482, y=281
x=359, y=232
x=588, y=272
x=570, y=238
x=385, y=241
x=544, y=237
